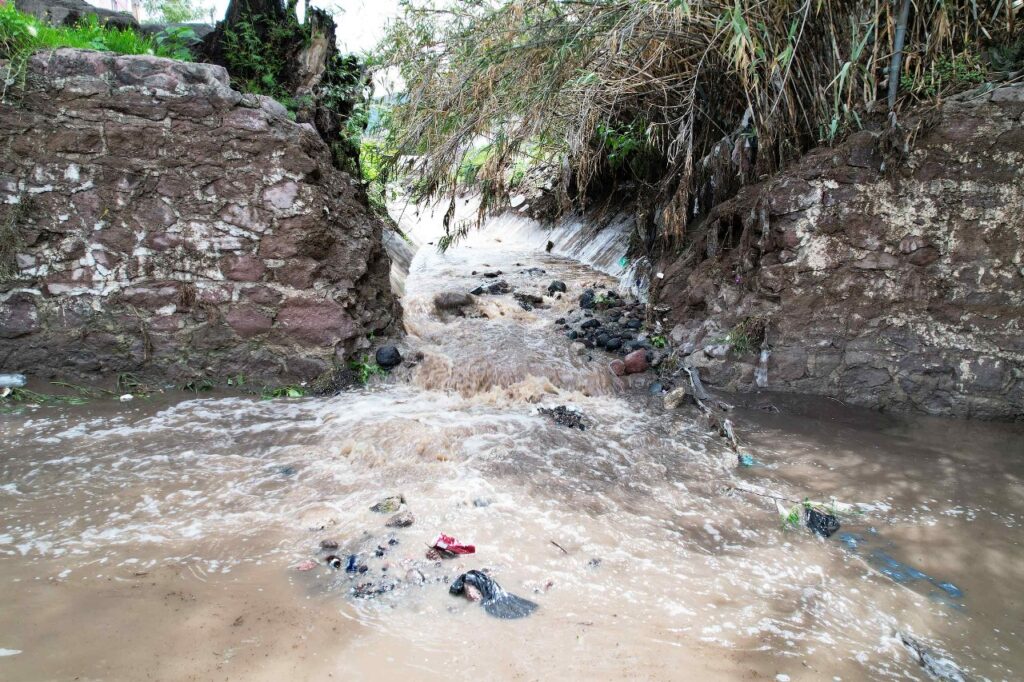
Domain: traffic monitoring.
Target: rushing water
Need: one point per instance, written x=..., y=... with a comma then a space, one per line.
x=158, y=539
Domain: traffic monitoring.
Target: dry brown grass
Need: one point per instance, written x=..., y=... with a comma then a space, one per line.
x=687, y=99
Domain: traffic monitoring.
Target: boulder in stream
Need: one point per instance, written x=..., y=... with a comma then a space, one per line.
x=636, y=362
x=452, y=301
x=388, y=357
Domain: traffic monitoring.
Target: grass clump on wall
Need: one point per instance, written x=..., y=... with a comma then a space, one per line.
x=22, y=34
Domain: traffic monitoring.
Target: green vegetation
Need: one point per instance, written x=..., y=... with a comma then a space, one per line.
x=25, y=396
x=747, y=336
x=283, y=392
x=22, y=34
x=674, y=100
x=257, y=53
x=174, y=11
x=10, y=237
x=947, y=74
x=659, y=341
x=365, y=368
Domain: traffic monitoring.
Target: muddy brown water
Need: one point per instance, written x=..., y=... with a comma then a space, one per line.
x=158, y=539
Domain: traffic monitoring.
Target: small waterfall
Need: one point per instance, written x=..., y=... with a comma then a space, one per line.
x=761, y=372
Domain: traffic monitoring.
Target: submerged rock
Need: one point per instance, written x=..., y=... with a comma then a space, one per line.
x=389, y=504
x=563, y=416
x=528, y=301
x=452, y=301
x=402, y=519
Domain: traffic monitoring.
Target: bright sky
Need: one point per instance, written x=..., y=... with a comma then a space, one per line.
x=360, y=22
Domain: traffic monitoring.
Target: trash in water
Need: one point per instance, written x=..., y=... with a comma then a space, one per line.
x=902, y=573
x=815, y=516
x=481, y=502
x=370, y=590
x=821, y=522
x=594, y=563
x=746, y=460
x=12, y=380
x=496, y=601
x=286, y=470
x=334, y=561
x=352, y=564
x=389, y=505
x=563, y=416
x=448, y=544
x=127, y=398
x=936, y=666
x=307, y=565
x=401, y=520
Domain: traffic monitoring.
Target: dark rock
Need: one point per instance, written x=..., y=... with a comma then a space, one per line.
x=329, y=545
x=590, y=324
x=634, y=324
x=499, y=287
x=613, y=344
x=388, y=357
x=587, y=299
x=528, y=301
x=563, y=416
x=557, y=286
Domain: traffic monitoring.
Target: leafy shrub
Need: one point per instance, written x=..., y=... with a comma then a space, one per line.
x=946, y=74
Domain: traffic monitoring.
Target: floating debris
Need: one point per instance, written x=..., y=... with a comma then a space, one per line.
x=496, y=601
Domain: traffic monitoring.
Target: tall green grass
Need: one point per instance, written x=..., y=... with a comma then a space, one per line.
x=22, y=34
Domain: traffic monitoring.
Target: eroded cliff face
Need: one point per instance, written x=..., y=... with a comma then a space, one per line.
x=157, y=221
x=898, y=288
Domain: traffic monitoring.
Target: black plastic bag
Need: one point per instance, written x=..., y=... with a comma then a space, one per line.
x=496, y=601
x=822, y=523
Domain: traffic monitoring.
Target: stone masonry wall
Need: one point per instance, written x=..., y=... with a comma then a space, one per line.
x=895, y=284
x=155, y=221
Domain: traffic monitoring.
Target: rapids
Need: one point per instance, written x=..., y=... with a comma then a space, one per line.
x=157, y=539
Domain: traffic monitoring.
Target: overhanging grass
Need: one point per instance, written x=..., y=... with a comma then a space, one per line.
x=683, y=99
x=22, y=34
